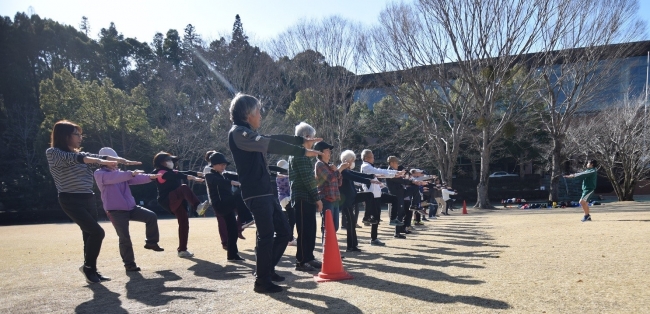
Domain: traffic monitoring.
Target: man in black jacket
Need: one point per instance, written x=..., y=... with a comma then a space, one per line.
x=248, y=150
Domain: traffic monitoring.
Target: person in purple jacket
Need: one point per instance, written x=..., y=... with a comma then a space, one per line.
x=120, y=207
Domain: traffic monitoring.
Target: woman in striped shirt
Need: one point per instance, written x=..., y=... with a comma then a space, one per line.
x=74, y=181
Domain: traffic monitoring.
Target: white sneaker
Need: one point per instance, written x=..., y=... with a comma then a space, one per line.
x=202, y=208
x=185, y=254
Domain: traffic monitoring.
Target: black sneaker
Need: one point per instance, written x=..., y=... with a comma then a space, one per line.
x=90, y=274
x=153, y=247
x=586, y=218
x=236, y=258
x=274, y=277
x=101, y=277
x=277, y=278
x=354, y=249
x=267, y=288
x=399, y=236
x=132, y=268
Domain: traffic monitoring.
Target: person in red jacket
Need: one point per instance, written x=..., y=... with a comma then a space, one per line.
x=172, y=195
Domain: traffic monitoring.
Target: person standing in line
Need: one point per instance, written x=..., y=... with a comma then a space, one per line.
x=305, y=201
x=73, y=177
x=173, y=195
x=589, y=177
x=226, y=204
x=373, y=214
x=328, y=181
x=447, y=192
x=120, y=207
x=349, y=197
x=248, y=149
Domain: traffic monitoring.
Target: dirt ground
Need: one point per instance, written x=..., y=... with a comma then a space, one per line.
x=514, y=261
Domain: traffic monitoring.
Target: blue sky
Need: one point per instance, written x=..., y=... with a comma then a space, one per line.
x=262, y=19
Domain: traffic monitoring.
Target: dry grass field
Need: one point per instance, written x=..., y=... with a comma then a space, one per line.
x=514, y=261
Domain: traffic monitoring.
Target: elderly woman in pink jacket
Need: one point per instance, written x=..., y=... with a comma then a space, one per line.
x=120, y=207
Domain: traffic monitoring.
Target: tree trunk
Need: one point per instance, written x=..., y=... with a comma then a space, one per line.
x=556, y=171
x=483, y=199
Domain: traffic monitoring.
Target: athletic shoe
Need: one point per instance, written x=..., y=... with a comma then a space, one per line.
x=433, y=217
x=247, y=224
x=418, y=223
x=277, y=278
x=425, y=219
x=274, y=277
x=132, y=268
x=102, y=277
x=316, y=264
x=293, y=242
x=370, y=221
x=399, y=236
x=354, y=249
x=153, y=247
x=366, y=224
x=586, y=218
x=236, y=258
x=185, y=254
x=202, y=208
x=408, y=231
x=304, y=267
x=267, y=288
x=396, y=222
x=376, y=242
x=90, y=274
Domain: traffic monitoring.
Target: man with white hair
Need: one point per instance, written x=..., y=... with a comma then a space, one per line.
x=305, y=201
x=373, y=213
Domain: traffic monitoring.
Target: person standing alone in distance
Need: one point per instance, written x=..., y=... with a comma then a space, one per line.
x=589, y=177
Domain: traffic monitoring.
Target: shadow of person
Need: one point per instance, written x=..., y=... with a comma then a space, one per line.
x=306, y=301
x=103, y=301
x=213, y=271
x=151, y=291
x=423, y=294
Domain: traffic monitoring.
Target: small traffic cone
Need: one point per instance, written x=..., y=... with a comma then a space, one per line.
x=464, y=208
x=332, y=269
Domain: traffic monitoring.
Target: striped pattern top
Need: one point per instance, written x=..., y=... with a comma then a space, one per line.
x=70, y=173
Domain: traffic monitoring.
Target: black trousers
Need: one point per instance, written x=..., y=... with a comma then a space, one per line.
x=82, y=210
x=350, y=226
x=375, y=207
x=394, y=201
x=272, y=235
x=306, y=226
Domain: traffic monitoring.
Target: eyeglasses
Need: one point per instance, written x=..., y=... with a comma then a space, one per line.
x=77, y=134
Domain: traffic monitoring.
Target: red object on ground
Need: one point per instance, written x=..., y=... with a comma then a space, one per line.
x=332, y=269
x=464, y=208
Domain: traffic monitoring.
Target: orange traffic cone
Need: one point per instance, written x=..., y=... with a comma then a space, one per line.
x=464, y=208
x=332, y=269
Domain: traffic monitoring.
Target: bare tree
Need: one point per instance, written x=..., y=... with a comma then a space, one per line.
x=481, y=72
x=319, y=58
x=617, y=138
x=571, y=80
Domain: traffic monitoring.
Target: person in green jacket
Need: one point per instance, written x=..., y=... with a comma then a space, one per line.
x=589, y=177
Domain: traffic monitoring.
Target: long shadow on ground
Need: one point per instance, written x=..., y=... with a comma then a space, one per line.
x=213, y=271
x=103, y=300
x=305, y=301
x=151, y=291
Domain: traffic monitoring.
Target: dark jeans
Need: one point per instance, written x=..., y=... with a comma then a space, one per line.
x=272, y=235
x=120, y=220
x=291, y=217
x=176, y=205
x=231, y=205
x=306, y=226
x=232, y=232
x=350, y=226
x=82, y=210
x=375, y=208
